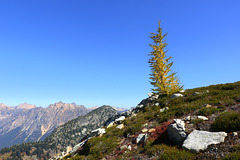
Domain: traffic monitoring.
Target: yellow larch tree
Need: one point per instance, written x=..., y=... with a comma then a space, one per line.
x=164, y=80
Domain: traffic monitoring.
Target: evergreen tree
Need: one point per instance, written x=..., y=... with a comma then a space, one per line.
x=162, y=77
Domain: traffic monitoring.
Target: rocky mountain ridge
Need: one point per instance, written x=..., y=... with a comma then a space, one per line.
x=27, y=122
x=201, y=123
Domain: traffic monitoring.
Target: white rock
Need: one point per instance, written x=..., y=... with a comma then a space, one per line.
x=156, y=104
x=200, y=140
x=140, y=106
x=123, y=147
x=129, y=147
x=176, y=132
x=110, y=125
x=133, y=115
x=175, y=95
x=182, y=91
x=180, y=123
x=99, y=130
x=141, y=138
x=164, y=109
x=120, y=126
x=234, y=134
x=154, y=97
x=120, y=119
x=150, y=94
x=188, y=118
x=203, y=118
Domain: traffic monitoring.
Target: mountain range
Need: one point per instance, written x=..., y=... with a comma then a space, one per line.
x=26, y=122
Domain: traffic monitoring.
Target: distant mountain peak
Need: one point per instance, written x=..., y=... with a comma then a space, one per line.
x=25, y=106
x=116, y=108
x=4, y=106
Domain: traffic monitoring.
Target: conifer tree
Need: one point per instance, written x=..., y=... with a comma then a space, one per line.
x=164, y=80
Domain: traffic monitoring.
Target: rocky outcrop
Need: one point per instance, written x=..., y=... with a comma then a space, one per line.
x=176, y=132
x=200, y=140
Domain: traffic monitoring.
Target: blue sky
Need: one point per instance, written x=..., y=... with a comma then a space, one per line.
x=95, y=52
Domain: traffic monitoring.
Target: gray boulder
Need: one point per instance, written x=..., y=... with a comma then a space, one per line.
x=176, y=132
x=141, y=138
x=175, y=95
x=200, y=140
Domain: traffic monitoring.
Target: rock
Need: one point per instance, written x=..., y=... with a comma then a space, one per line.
x=156, y=104
x=180, y=123
x=188, y=118
x=155, y=97
x=150, y=94
x=196, y=93
x=164, y=109
x=120, y=119
x=133, y=115
x=99, y=131
x=208, y=105
x=123, y=147
x=151, y=130
x=175, y=95
x=200, y=140
x=203, y=118
x=110, y=125
x=144, y=130
x=146, y=124
x=129, y=147
x=69, y=148
x=176, y=132
x=140, y=106
x=182, y=91
x=120, y=126
x=141, y=138
x=234, y=134
x=75, y=148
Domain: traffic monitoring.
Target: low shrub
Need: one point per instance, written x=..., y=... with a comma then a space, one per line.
x=207, y=111
x=165, y=152
x=98, y=147
x=227, y=121
x=233, y=156
x=196, y=121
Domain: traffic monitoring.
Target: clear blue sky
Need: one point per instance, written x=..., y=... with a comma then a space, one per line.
x=95, y=52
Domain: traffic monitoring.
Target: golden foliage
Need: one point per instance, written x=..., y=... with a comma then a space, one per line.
x=162, y=77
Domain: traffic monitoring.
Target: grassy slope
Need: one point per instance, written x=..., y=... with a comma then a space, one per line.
x=220, y=96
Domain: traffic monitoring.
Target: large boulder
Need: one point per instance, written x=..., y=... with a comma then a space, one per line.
x=141, y=138
x=118, y=120
x=200, y=140
x=176, y=132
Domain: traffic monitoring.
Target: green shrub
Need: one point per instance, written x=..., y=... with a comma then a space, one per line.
x=233, y=156
x=164, y=152
x=227, y=121
x=207, y=111
x=196, y=121
x=98, y=147
x=132, y=129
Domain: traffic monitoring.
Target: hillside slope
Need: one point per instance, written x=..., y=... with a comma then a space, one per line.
x=68, y=134
x=201, y=123
x=73, y=131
